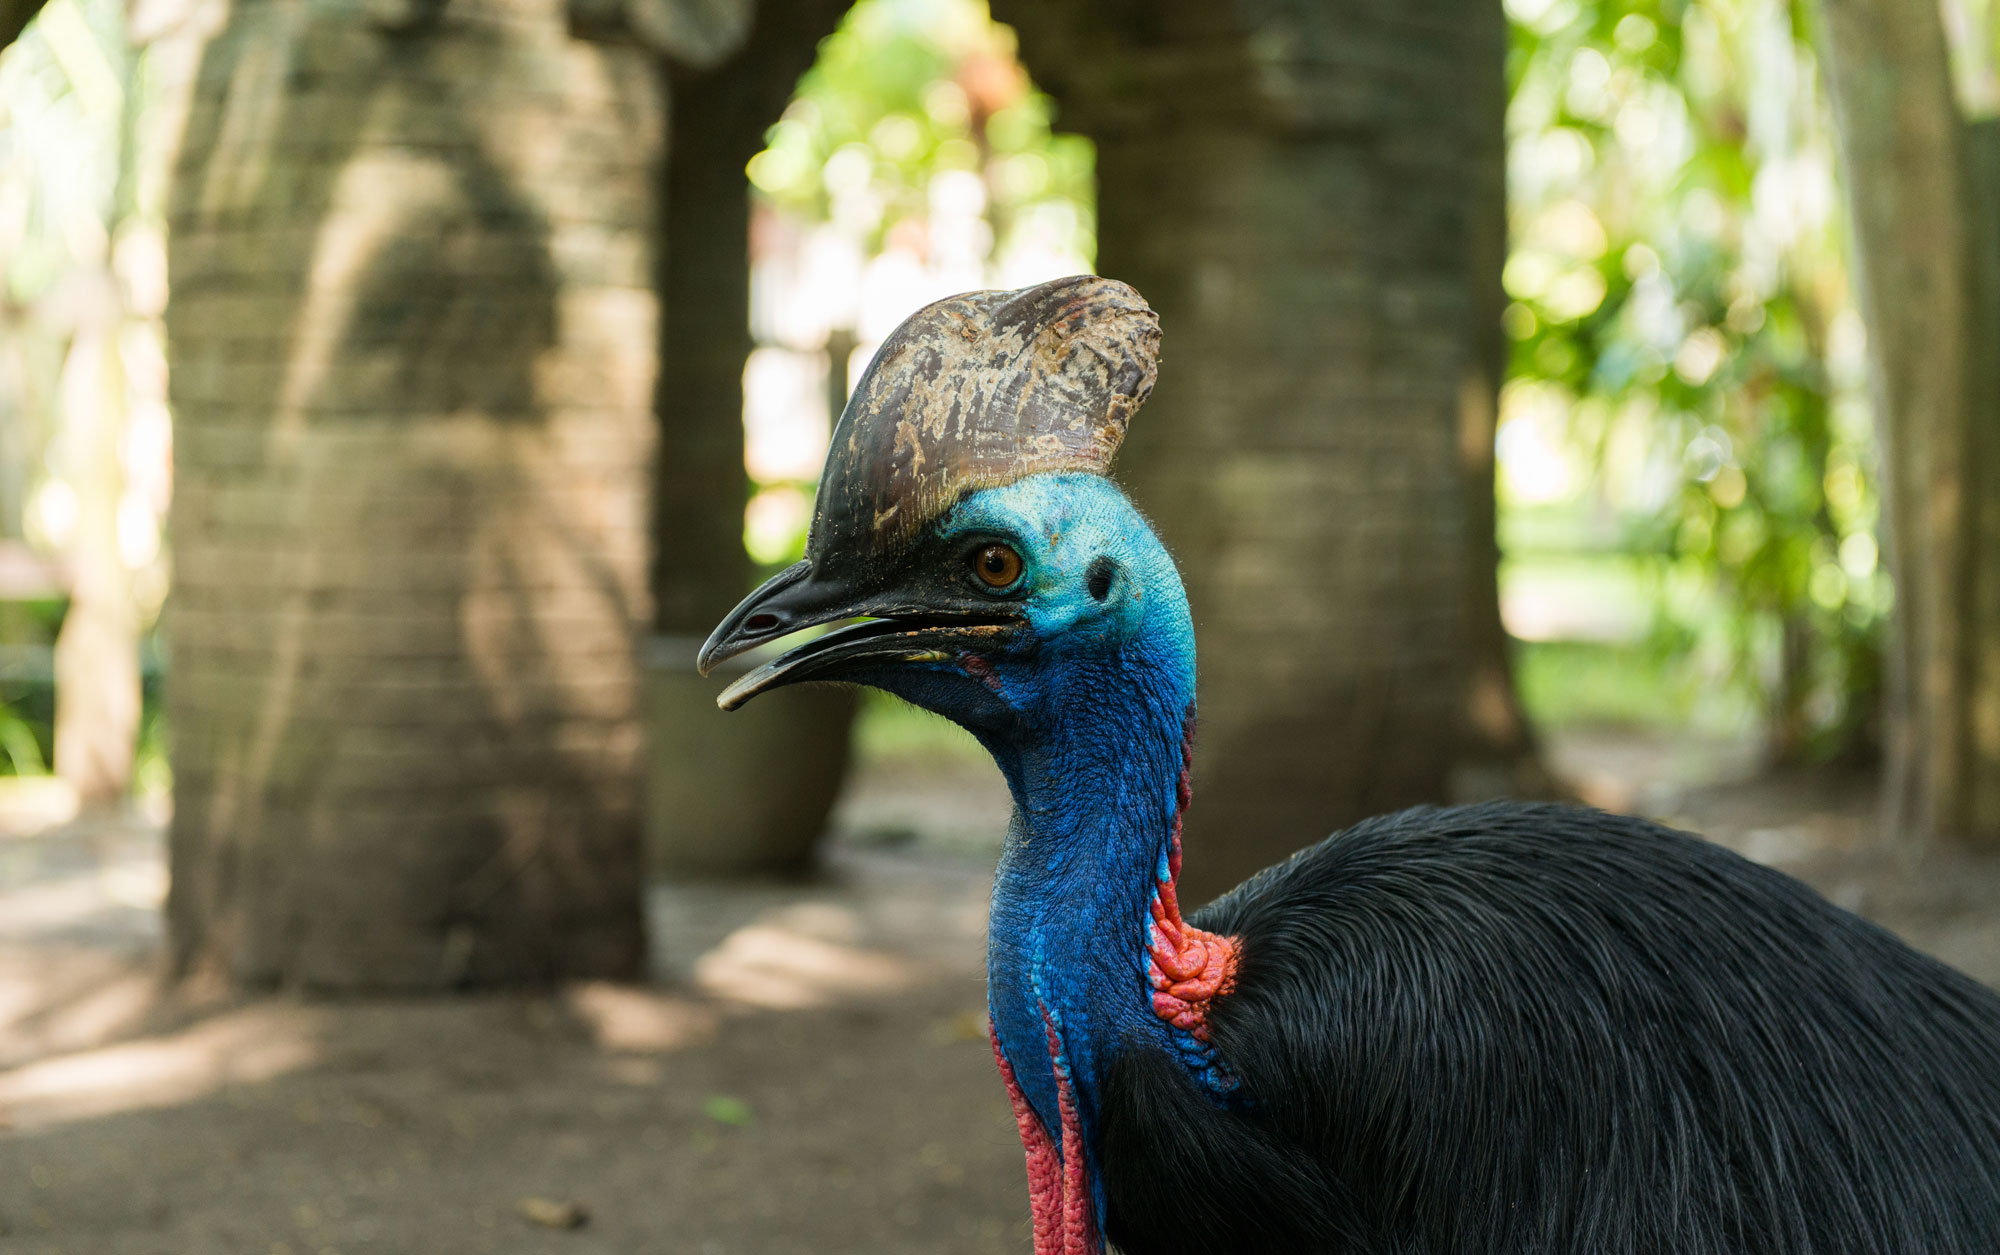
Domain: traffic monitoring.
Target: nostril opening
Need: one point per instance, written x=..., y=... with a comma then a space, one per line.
x=1099, y=577
x=761, y=622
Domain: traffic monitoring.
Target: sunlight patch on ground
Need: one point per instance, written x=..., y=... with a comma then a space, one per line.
x=635, y=1020
x=31, y=804
x=240, y=1047
x=67, y=1000
x=797, y=957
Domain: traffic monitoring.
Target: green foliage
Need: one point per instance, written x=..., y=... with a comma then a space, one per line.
x=1681, y=321
x=916, y=160
x=906, y=90
x=1596, y=684
x=27, y=684
x=20, y=746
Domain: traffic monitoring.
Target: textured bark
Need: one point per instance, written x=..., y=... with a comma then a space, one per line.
x=1982, y=600
x=1924, y=189
x=719, y=119
x=412, y=336
x=1298, y=190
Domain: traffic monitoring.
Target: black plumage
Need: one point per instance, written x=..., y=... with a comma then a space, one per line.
x=1531, y=1028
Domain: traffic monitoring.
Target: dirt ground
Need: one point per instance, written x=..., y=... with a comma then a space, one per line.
x=806, y=1073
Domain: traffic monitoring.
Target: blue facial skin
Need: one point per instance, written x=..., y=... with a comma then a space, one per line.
x=1085, y=714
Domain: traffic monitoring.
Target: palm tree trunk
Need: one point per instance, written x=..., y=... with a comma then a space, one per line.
x=412, y=338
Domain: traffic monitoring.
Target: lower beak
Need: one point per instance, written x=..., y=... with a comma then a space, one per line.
x=894, y=632
x=862, y=646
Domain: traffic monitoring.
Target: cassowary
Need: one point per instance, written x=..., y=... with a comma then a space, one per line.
x=1498, y=1028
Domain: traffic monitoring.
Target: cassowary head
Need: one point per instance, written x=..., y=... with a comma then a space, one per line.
x=963, y=516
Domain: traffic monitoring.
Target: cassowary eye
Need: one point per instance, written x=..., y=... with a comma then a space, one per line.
x=997, y=566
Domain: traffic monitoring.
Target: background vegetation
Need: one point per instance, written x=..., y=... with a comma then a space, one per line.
x=1687, y=472
x=1687, y=500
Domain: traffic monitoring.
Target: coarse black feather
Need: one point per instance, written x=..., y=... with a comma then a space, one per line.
x=1510, y=1029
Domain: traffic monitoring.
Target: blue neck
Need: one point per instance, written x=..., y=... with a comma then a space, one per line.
x=1086, y=710
x=1096, y=788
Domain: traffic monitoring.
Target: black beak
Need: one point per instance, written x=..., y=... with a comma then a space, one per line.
x=895, y=629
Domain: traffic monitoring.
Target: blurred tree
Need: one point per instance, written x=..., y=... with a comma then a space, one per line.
x=1310, y=195
x=412, y=332
x=82, y=372
x=97, y=652
x=720, y=115
x=710, y=807
x=1923, y=180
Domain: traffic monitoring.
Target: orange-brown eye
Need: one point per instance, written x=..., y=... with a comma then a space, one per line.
x=997, y=566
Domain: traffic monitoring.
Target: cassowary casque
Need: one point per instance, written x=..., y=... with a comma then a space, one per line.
x=1492, y=1029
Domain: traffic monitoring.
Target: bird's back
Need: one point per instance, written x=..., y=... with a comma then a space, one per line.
x=1519, y=1028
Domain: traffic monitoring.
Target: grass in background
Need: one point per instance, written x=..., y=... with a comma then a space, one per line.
x=1568, y=685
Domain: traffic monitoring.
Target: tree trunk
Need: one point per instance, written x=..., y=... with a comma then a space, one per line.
x=1299, y=190
x=1982, y=595
x=711, y=810
x=1924, y=191
x=1499, y=754
x=412, y=337
x=14, y=18
x=719, y=119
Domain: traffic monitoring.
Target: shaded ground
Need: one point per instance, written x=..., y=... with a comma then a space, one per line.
x=808, y=1074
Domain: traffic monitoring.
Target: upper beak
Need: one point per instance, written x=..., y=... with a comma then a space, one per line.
x=793, y=600
x=783, y=604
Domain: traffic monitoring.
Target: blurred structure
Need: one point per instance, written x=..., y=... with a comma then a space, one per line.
x=712, y=807
x=83, y=419
x=413, y=326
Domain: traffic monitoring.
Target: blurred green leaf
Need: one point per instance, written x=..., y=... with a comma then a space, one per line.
x=726, y=1110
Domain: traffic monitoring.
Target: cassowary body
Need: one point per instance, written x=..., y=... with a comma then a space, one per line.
x=1513, y=1028
x=1507, y=1029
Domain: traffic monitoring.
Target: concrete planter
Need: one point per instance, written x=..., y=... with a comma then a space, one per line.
x=739, y=794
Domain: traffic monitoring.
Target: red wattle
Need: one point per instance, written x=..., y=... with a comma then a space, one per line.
x=1059, y=1195
x=1187, y=968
